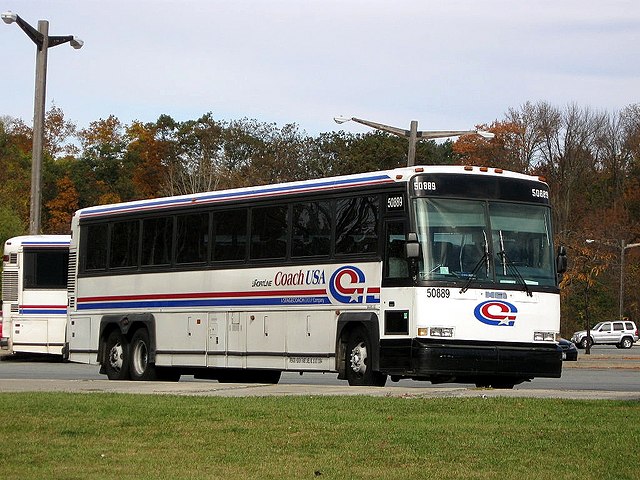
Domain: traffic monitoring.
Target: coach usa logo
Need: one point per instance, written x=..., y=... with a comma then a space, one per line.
x=496, y=313
x=347, y=285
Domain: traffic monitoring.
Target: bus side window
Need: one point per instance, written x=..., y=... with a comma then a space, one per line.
x=396, y=264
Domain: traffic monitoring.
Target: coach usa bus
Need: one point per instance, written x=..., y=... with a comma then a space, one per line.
x=34, y=294
x=438, y=273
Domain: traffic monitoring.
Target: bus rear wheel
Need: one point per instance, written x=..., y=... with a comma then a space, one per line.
x=116, y=363
x=359, y=368
x=140, y=367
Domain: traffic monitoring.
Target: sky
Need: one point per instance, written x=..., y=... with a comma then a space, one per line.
x=449, y=64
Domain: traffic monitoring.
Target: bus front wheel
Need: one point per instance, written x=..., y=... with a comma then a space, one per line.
x=359, y=368
x=116, y=363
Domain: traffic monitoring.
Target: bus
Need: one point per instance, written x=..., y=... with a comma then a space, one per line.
x=437, y=273
x=34, y=294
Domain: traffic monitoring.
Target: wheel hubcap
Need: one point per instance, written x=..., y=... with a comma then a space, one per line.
x=115, y=357
x=140, y=358
x=358, y=359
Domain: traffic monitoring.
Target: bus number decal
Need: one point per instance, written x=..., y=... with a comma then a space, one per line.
x=395, y=203
x=428, y=186
x=438, y=293
x=496, y=313
x=537, y=193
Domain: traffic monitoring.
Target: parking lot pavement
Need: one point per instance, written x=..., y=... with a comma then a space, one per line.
x=215, y=389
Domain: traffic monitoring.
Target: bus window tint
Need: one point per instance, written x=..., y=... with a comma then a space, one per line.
x=230, y=235
x=356, y=225
x=45, y=269
x=156, y=241
x=192, y=238
x=311, y=225
x=269, y=232
x=124, y=244
x=96, y=256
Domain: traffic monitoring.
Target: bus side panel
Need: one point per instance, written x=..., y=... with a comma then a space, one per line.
x=181, y=338
x=311, y=340
x=82, y=348
x=266, y=332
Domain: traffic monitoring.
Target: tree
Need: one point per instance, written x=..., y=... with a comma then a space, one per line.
x=58, y=134
x=145, y=153
x=103, y=150
x=62, y=206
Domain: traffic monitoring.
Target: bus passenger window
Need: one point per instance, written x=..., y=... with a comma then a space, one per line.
x=311, y=229
x=269, y=232
x=124, y=244
x=96, y=251
x=357, y=225
x=157, y=234
x=192, y=237
x=230, y=235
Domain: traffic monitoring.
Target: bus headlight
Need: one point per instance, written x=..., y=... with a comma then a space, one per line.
x=544, y=336
x=441, y=332
x=423, y=331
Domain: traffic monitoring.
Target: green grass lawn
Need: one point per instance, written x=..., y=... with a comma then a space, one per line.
x=85, y=436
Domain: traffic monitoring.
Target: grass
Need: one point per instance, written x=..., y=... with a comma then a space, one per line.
x=86, y=436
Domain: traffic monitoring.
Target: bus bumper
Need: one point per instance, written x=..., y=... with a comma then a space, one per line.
x=468, y=361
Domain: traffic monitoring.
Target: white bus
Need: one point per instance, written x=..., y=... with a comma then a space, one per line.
x=439, y=273
x=34, y=294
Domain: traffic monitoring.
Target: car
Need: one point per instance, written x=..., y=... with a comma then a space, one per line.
x=569, y=350
x=621, y=333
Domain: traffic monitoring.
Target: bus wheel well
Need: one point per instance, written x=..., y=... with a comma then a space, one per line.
x=127, y=324
x=347, y=323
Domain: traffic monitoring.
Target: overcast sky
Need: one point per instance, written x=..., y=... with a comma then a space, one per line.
x=449, y=64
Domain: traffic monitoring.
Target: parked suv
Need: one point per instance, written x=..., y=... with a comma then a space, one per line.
x=622, y=334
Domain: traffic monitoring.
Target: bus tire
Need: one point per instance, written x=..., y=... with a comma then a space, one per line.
x=358, y=361
x=140, y=367
x=117, y=353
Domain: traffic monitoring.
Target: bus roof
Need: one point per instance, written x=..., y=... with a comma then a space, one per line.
x=399, y=175
x=37, y=241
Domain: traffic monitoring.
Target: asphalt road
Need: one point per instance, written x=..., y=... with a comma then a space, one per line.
x=608, y=373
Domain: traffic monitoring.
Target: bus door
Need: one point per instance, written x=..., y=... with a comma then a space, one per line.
x=396, y=299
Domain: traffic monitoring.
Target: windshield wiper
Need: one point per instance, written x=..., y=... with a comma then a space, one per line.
x=510, y=268
x=472, y=275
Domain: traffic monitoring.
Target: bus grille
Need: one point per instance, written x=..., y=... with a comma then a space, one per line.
x=71, y=280
x=9, y=286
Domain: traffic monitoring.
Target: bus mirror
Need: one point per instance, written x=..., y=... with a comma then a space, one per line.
x=561, y=259
x=412, y=246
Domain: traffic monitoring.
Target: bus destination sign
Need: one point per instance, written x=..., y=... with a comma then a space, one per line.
x=479, y=187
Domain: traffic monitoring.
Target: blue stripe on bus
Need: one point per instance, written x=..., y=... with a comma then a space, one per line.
x=206, y=303
x=44, y=244
x=31, y=311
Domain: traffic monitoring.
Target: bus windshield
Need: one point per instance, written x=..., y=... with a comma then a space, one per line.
x=495, y=242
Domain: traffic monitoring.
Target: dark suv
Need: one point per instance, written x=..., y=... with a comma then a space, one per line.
x=622, y=334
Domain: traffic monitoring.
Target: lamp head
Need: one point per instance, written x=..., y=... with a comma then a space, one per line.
x=341, y=119
x=9, y=17
x=76, y=43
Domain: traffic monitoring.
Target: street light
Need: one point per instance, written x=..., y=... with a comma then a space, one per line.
x=43, y=42
x=413, y=134
x=623, y=247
